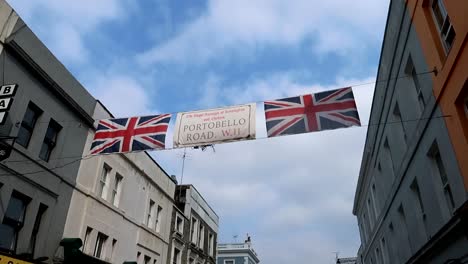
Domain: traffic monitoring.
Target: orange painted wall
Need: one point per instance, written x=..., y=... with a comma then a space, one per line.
x=451, y=82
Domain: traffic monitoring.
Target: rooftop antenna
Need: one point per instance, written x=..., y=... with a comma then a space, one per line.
x=336, y=255
x=235, y=238
x=184, y=156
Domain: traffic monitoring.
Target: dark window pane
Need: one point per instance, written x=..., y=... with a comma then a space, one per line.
x=450, y=38
x=23, y=137
x=27, y=125
x=29, y=118
x=15, y=210
x=44, y=154
x=438, y=13
x=7, y=237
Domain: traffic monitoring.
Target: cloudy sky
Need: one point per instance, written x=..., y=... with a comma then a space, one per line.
x=294, y=194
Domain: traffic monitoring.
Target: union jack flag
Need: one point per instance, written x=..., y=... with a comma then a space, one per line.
x=130, y=134
x=311, y=112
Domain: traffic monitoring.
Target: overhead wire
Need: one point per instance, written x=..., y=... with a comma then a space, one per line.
x=78, y=158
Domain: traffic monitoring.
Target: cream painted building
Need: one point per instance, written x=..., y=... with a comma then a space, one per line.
x=122, y=206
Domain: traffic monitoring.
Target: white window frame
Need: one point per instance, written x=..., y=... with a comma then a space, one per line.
x=101, y=237
x=87, y=238
x=179, y=257
x=194, y=230
x=446, y=27
x=158, y=218
x=201, y=236
x=117, y=190
x=181, y=229
x=104, y=181
x=210, y=243
x=150, y=216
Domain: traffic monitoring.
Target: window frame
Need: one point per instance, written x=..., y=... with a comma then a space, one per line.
x=37, y=112
x=100, y=248
x=150, y=217
x=445, y=27
x=103, y=184
x=117, y=190
x=158, y=217
x=177, y=229
x=16, y=225
x=50, y=143
x=442, y=175
x=36, y=228
x=194, y=230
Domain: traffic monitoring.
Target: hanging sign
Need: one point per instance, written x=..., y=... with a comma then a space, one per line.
x=6, y=99
x=215, y=126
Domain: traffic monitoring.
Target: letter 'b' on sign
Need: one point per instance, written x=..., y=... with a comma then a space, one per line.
x=8, y=90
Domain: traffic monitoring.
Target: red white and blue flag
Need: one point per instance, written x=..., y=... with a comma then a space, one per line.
x=130, y=134
x=311, y=112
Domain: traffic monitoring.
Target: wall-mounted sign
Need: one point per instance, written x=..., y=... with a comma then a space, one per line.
x=10, y=260
x=215, y=126
x=6, y=99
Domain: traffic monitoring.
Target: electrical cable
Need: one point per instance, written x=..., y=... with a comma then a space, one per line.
x=79, y=158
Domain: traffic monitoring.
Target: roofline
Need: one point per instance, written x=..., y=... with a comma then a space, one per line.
x=360, y=179
x=191, y=185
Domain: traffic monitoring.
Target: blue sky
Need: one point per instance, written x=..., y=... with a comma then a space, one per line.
x=293, y=194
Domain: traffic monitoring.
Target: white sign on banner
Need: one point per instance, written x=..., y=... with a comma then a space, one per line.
x=214, y=126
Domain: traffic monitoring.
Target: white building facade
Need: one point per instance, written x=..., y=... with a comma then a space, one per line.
x=122, y=206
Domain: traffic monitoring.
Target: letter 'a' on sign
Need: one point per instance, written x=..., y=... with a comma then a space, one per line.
x=5, y=104
x=215, y=126
x=8, y=90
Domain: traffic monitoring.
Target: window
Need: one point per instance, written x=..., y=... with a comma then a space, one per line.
x=398, y=119
x=50, y=140
x=117, y=190
x=378, y=255
x=371, y=212
x=13, y=221
x=417, y=194
x=442, y=174
x=27, y=125
x=193, y=231
x=201, y=236
x=410, y=70
x=114, y=243
x=179, y=224
x=150, y=218
x=442, y=20
x=158, y=218
x=147, y=259
x=35, y=231
x=374, y=198
x=87, y=236
x=403, y=227
x=229, y=262
x=389, y=157
x=210, y=244
x=104, y=181
x=384, y=251
x=99, y=249
x=176, y=256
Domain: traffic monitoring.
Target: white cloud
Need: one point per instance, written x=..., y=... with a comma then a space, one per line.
x=335, y=25
x=63, y=24
x=122, y=95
